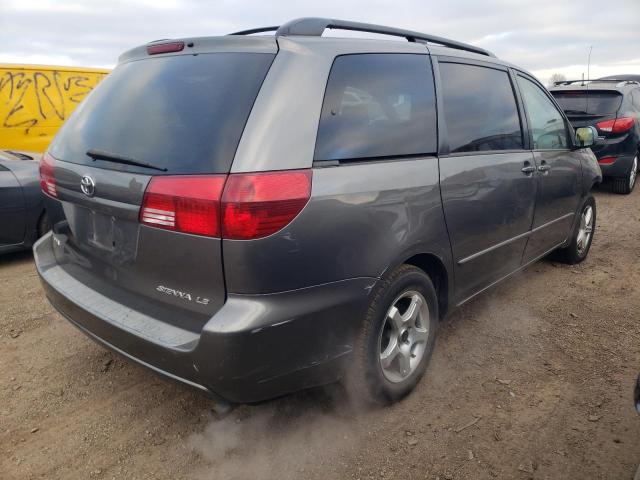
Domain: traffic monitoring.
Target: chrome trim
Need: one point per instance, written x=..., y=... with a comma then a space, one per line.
x=521, y=267
x=513, y=239
x=544, y=225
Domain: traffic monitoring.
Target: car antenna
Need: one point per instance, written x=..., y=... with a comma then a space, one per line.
x=588, y=77
x=589, y=63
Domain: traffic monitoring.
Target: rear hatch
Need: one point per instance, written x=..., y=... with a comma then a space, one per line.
x=587, y=107
x=173, y=119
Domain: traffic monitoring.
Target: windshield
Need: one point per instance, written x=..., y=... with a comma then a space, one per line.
x=182, y=113
x=583, y=102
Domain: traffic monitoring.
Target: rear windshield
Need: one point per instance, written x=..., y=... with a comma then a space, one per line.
x=181, y=113
x=582, y=102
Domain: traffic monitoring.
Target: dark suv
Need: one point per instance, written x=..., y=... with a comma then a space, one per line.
x=254, y=215
x=612, y=105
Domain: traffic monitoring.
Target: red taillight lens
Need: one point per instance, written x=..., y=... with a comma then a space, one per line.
x=248, y=206
x=606, y=126
x=619, y=125
x=607, y=160
x=255, y=205
x=189, y=204
x=165, y=48
x=47, y=178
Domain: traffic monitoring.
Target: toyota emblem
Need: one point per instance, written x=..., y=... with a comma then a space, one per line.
x=88, y=186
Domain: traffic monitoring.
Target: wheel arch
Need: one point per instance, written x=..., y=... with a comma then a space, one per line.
x=435, y=268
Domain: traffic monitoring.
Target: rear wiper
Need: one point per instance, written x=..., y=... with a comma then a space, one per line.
x=114, y=157
x=20, y=155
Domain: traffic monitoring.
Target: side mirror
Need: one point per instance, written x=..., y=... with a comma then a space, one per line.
x=586, y=136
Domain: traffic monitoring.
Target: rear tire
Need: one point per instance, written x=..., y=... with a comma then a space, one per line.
x=582, y=235
x=397, y=338
x=625, y=185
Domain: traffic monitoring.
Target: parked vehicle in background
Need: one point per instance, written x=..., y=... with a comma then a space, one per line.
x=23, y=218
x=250, y=245
x=36, y=99
x=612, y=105
x=622, y=77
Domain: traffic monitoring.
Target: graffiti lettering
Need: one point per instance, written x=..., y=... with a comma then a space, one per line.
x=35, y=102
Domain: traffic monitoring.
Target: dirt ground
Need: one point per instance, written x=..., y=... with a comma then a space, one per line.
x=531, y=380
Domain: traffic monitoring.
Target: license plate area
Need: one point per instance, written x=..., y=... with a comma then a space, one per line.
x=101, y=231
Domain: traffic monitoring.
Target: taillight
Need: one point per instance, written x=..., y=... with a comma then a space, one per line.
x=165, y=47
x=255, y=205
x=189, y=204
x=247, y=206
x=47, y=178
x=607, y=160
x=618, y=125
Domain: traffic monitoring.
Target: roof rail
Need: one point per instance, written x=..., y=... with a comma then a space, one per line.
x=256, y=30
x=597, y=80
x=315, y=27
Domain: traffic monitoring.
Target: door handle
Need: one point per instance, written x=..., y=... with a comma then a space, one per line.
x=544, y=168
x=528, y=169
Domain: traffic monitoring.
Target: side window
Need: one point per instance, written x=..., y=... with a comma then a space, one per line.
x=480, y=109
x=547, y=124
x=378, y=105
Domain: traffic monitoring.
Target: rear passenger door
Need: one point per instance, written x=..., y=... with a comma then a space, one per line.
x=558, y=169
x=487, y=176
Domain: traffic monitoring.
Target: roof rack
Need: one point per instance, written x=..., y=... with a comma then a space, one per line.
x=597, y=80
x=315, y=27
x=256, y=30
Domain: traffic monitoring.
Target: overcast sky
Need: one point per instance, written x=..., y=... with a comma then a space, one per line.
x=543, y=36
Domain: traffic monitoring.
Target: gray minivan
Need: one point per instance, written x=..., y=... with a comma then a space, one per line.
x=256, y=214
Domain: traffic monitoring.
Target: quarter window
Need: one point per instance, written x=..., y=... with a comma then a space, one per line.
x=547, y=124
x=480, y=109
x=378, y=105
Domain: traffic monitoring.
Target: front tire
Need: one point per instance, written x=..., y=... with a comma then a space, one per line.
x=397, y=338
x=582, y=235
x=625, y=185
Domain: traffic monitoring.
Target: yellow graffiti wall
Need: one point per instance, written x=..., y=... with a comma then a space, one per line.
x=35, y=100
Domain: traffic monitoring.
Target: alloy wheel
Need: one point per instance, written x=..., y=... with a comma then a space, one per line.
x=585, y=230
x=404, y=335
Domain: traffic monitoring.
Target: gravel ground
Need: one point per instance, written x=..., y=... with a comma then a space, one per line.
x=531, y=380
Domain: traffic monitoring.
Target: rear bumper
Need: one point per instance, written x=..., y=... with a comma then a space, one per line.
x=623, y=148
x=254, y=348
x=619, y=169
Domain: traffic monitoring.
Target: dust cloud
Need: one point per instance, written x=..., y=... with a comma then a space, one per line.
x=289, y=438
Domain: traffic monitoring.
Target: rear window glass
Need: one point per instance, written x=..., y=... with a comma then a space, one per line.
x=479, y=108
x=378, y=105
x=185, y=113
x=582, y=102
